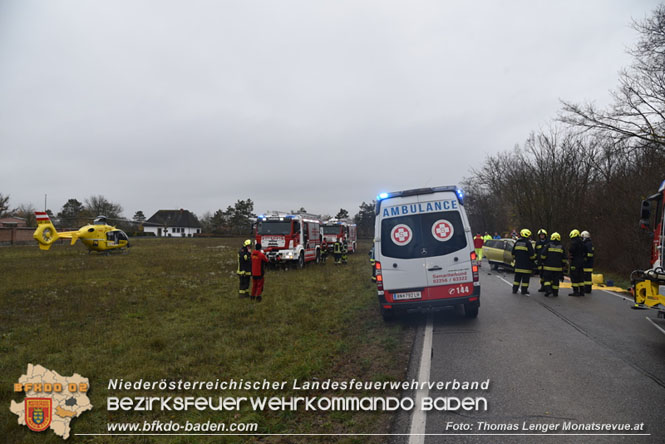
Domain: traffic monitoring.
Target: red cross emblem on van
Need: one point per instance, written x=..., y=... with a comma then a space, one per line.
x=401, y=234
x=442, y=230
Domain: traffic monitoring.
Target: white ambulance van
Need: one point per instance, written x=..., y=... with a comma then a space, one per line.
x=424, y=252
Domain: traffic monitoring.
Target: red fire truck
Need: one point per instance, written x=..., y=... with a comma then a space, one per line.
x=342, y=229
x=289, y=238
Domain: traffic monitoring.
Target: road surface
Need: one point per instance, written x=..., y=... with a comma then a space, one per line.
x=570, y=366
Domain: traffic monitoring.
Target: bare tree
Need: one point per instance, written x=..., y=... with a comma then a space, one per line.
x=99, y=205
x=638, y=112
x=27, y=212
x=4, y=204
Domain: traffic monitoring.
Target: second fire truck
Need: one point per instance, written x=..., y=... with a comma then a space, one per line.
x=341, y=229
x=289, y=238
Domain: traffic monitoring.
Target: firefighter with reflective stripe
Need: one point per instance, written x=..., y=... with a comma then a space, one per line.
x=324, y=250
x=337, y=251
x=259, y=261
x=588, y=260
x=577, y=254
x=540, y=243
x=345, y=251
x=372, y=261
x=244, y=268
x=553, y=259
x=478, y=243
x=524, y=261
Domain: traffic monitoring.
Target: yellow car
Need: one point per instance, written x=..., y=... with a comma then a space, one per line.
x=499, y=253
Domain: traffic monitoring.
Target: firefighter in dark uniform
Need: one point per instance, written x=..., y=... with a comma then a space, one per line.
x=553, y=259
x=324, y=250
x=540, y=243
x=524, y=261
x=588, y=261
x=337, y=251
x=372, y=262
x=577, y=255
x=345, y=251
x=244, y=268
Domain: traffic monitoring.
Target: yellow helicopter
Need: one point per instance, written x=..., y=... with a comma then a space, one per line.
x=98, y=236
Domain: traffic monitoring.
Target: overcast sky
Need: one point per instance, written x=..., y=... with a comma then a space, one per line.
x=323, y=104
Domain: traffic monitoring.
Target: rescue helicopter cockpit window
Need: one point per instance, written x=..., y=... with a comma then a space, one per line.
x=122, y=236
x=274, y=227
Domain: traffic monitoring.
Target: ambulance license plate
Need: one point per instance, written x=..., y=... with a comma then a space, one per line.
x=407, y=295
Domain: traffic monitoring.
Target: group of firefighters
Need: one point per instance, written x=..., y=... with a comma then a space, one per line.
x=252, y=265
x=339, y=250
x=549, y=258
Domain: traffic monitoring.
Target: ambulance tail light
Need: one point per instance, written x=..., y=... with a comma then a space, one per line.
x=379, y=276
x=474, y=267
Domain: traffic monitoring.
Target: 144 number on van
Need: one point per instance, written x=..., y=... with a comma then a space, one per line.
x=462, y=289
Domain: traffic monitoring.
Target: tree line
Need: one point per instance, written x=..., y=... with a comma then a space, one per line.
x=591, y=168
x=235, y=220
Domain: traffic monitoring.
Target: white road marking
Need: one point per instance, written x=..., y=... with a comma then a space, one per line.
x=617, y=295
x=419, y=417
x=655, y=325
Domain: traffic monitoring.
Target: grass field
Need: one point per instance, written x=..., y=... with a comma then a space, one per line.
x=169, y=310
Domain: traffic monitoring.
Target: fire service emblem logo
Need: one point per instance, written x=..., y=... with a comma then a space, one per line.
x=38, y=413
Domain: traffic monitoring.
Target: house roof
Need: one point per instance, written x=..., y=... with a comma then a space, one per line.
x=173, y=218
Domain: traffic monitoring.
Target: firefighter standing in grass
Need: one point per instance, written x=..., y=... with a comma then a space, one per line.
x=324, y=250
x=372, y=261
x=524, y=261
x=345, y=251
x=577, y=255
x=259, y=261
x=244, y=268
x=553, y=259
x=588, y=261
x=337, y=251
x=540, y=243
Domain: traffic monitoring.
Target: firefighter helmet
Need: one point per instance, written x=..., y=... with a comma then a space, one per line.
x=525, y=232
x=574, y=233
x=555, y=236
x=542, y=231
x=247, y=243
x=585, y=234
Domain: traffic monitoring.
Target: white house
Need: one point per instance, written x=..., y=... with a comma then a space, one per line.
x=173, y=223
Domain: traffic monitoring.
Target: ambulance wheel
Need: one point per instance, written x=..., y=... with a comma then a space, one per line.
x=471, y=310
x=388, y=315
x=301, y=261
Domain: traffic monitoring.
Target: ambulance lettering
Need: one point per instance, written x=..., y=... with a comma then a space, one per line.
x=419, y=208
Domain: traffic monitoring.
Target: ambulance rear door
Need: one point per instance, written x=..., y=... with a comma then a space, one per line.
x=403, y=265
x=446, y=246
